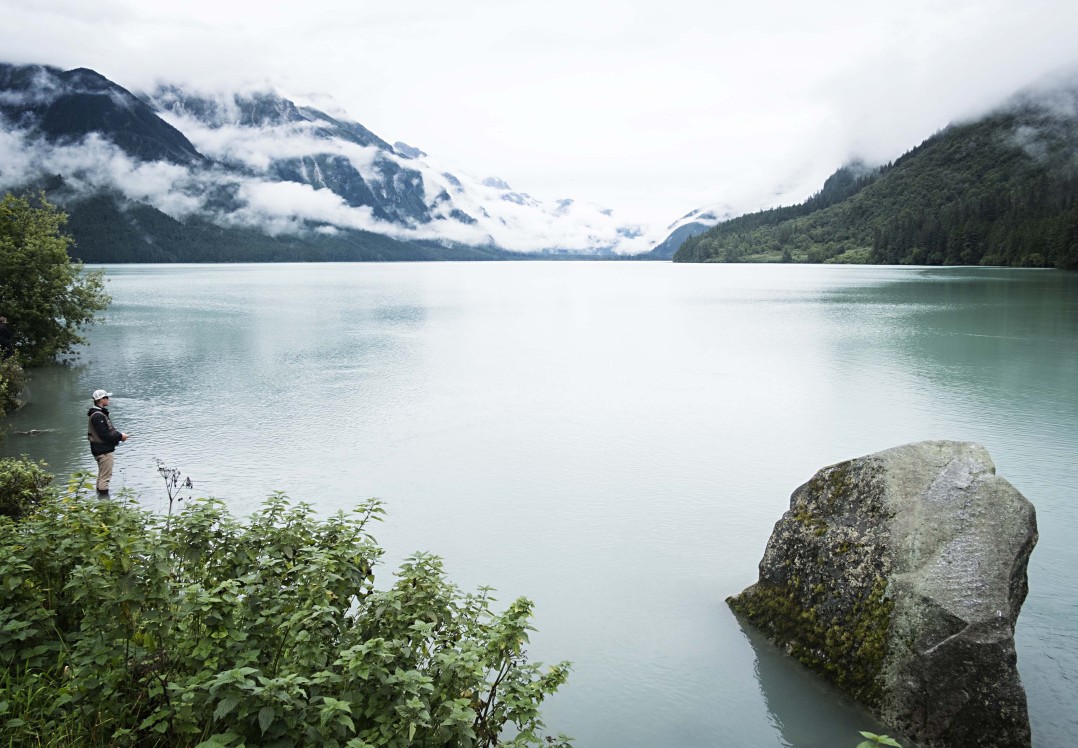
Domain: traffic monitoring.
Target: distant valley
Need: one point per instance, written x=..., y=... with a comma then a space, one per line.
x=179, y=175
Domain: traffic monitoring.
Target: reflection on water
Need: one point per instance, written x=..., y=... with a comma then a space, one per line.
x=615, y=440
x=792, y=695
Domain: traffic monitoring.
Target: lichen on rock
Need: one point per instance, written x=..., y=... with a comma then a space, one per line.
x=899, y=578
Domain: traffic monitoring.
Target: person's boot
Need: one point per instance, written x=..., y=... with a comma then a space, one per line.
x=102, y=494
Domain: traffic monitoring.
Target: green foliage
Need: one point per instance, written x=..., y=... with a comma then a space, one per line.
x=118, y=627
x=23, y=486
x=12, y=379
x=46, y=298
x=872, y=740
x=1001, y=191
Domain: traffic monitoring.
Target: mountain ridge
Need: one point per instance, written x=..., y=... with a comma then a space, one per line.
x=1001, y=190
x=158, y=174
x=256, y=162
x=80, y=106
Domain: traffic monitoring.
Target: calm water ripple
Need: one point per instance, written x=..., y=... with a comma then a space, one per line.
x=614, y=440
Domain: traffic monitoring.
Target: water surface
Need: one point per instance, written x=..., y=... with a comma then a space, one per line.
x=614, y=440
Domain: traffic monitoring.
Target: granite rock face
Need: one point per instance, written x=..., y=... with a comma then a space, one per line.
x=899, y=577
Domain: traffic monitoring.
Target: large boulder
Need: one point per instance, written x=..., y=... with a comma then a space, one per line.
x=899, y=577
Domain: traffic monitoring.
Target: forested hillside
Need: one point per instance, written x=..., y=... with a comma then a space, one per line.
x=999, y=191
x=108, y=229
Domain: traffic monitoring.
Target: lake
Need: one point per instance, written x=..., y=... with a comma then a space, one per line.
x=614, y=440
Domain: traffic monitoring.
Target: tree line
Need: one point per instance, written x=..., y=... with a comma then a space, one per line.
x=46, y=298
x=1001, y=191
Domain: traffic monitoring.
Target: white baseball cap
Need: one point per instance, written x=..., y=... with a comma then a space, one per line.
x=98, y=394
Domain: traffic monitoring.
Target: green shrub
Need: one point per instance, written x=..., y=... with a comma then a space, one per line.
x=12, y=379
x=23, y=486
x=47, y=298
x=119, y=628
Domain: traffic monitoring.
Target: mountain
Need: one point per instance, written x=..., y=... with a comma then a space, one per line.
x=180, y=174
x=689, y=225
x=1002, y=190
x=67, y=106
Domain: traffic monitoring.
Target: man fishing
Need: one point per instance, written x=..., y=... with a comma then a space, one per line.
x=103, y=438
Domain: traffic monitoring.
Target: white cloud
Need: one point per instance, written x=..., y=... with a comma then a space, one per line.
x=258, y=147
x=651, y=109
x=93, y=163
x=17, y=164
x=510, y=220
x=296, y=202
x=289, y=207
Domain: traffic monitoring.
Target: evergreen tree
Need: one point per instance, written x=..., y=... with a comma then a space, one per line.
x=46, y=298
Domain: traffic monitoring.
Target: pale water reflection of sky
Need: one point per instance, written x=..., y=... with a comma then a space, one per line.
x=615, y=440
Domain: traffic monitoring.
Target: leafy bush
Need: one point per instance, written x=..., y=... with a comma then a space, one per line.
x=23, y=486
x=119, y=628
x=12, y=379
x=47, y=298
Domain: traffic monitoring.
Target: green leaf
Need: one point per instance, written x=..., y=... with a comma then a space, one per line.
x=220, y=740
x=265, y=718
x=227, y=705
x=226, y=612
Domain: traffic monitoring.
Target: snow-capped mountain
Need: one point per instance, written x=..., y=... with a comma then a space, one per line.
x=691, y=224
x=260, y=162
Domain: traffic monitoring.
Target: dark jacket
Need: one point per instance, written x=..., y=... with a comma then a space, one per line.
x=102, y=434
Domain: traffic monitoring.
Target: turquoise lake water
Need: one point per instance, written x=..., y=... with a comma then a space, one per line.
x=613, y=440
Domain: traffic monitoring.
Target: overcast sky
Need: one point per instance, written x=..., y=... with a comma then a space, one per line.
x=650, y=108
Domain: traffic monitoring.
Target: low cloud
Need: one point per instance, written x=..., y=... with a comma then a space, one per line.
x=289, y=208
x=244, y=157
x=94, y=164
x=521, y=223
x=16, y=161
x=745, y=105
x=284, y=207
x=508, y=219
x=258, y=147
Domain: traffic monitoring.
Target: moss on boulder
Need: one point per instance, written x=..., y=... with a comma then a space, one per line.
x=899, y=577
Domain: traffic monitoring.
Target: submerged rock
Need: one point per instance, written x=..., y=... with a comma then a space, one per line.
x=899, y=577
